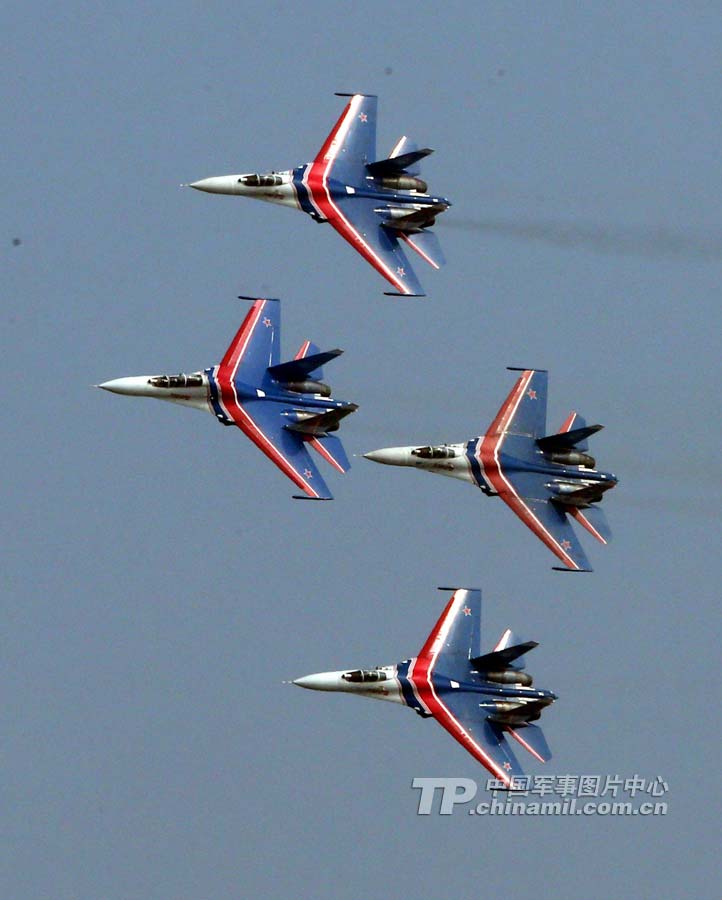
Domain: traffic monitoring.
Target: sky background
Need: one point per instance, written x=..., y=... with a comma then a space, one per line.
x=159, y=583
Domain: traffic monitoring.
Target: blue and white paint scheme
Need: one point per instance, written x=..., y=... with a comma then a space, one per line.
x=545, y=479
x=483, y=701
x=381, y=207
x=284, y=408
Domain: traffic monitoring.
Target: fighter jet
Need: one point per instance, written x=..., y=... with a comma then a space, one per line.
x=481, y=700
x=284, y=408
x=376, y=205
x=544, y=479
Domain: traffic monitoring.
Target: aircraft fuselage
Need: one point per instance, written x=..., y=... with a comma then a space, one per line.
x=464, y=461
x=294, y=188
x=402, y=684
x=203, y=390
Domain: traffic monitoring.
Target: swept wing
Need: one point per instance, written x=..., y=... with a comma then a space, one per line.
x=264, y=423
x=255, y=348
x=451, y=643
x=348, y=149
x=256, y=345
x=522, y=417
x=357, y=221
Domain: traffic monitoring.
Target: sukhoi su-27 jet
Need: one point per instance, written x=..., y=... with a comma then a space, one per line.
x=284, y=408
x=545, y=479
x=381, y=207
x=485, y=702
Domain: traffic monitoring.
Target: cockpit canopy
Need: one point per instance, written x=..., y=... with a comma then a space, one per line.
x=434, y=452
x=177, y=381
x=261, y=180
x=359, y=675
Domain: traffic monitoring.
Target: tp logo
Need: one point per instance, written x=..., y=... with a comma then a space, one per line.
x=453, y=792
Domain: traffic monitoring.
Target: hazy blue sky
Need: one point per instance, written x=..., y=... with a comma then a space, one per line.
x=159, y=582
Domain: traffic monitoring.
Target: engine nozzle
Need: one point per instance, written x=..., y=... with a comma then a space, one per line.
x=404, y=183
x=509, y=676
x=308, y=387
x=571, y=458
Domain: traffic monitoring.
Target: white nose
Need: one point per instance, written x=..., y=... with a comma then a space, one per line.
x=391, y=456
x=221, y=184
x=134, y=386
x=322, y=681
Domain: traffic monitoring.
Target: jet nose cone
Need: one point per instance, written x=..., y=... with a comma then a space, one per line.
x=374, y=455
x=117, y=385
x=134, y=386
x=390, y=456
x=322, y=681
x=221, y=184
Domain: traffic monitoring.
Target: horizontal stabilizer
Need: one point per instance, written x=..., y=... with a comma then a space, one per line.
x=507, y=639
x=593, y=519
x=395, y=165
x=416, y=220
x=510, y=639
x=532, y=739
x=403, y=147
x=300, y=369
x=322, y=423
x=567, y=439
x=331, y=449
x=574, y=420
x=501, y=659
x=427, y=245
x=308, y=348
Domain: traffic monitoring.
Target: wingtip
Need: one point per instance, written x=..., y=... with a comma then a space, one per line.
x=458, y=588
x=565, y=569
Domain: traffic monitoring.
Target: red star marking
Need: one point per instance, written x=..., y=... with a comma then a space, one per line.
x=363, y=117
x=308, y=473
x=565, y=545
x=400, y=271
x=267, y=322
x=466, y=611
x=531, y=394
x=507, y=765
